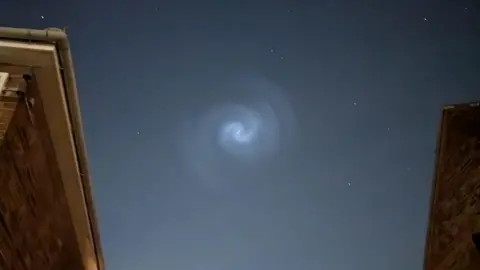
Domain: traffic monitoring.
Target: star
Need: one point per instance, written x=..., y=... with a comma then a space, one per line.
x=388, y=128
x=271, y=50
x=281, y=57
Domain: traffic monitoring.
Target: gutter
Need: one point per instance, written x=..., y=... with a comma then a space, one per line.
x=60, y=38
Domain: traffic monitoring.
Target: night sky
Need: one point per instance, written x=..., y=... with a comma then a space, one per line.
x=250, y=135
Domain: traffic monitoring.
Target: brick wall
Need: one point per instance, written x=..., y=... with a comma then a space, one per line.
x=8, y=98
x=454, y=214
x=35, y=225
x=7, y=106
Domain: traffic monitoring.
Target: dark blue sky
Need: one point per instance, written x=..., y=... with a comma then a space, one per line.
x=343, y=97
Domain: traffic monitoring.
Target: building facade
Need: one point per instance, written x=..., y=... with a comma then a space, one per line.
x=454, y=221
x=47, y=217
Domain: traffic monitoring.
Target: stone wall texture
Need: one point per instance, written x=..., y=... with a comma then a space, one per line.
x=36, y=232
x=455, y=205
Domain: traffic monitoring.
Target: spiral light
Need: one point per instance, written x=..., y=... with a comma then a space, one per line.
x=252, y=122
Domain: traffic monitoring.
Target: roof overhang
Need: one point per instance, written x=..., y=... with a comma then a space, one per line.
x=45, y=55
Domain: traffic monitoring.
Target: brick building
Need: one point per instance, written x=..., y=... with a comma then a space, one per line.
x=454, y=221
x=47, y=218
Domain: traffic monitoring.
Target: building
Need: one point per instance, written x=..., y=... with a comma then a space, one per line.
x=454, y=221
x=47, y=218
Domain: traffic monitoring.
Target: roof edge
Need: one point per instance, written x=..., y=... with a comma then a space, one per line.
x=438, y=148
x=462, y=105
x=60, y=38
x=78, y=134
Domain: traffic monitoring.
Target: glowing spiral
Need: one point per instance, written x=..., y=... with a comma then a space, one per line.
x=250, y=127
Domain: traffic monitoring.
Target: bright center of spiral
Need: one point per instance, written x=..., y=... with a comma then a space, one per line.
x=238, y=132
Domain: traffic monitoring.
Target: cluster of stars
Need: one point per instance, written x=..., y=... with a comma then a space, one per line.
x=290, y=11
x=273, y=51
